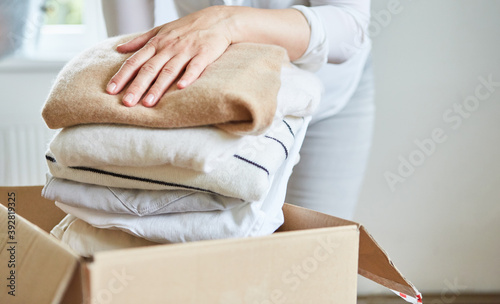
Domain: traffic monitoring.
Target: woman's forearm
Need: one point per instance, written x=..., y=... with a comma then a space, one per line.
x=284, y=27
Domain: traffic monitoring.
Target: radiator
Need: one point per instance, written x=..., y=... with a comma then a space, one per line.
x=22, y=152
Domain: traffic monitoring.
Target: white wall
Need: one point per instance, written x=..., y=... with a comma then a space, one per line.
x=23, y=134
x=441, y=225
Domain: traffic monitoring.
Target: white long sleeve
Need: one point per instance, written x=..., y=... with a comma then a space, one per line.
x=339, y=29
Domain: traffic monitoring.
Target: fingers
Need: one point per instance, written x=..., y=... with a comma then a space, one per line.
x=193, y=71
x=146, y=75
x=130, y=68
x=167, y=76
x=160, y=57
x=164, y=78
x=137, y=43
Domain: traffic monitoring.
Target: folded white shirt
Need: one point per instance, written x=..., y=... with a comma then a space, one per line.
x=200, y=148
x=133, y=201
x=246, y=175
x=257, y=218
x=86, y=239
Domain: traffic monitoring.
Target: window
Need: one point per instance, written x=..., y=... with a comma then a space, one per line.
x=63, y=12
x=62, y=28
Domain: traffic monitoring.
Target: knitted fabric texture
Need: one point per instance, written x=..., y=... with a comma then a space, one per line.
x=237, y=92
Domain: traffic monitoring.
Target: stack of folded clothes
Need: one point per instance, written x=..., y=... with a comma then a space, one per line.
x=209, y=161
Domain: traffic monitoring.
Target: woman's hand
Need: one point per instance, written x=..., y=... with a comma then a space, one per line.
x=162, y=54
x=193, y=42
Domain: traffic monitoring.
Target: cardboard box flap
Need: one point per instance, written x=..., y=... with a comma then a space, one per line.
x=33, y=207
x=299, y=218
x=373, y=263
x=36, y=265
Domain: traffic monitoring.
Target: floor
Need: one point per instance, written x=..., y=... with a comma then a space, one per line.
x=435, y=299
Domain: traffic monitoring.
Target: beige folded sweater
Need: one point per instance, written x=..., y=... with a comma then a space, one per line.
x=236, y=93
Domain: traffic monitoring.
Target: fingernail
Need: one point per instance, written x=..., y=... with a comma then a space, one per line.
x=149, y=99
x=182, y=84
x=128, y=98
x=111, y=87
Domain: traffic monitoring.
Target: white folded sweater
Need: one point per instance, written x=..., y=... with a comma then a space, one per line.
x=246, y=175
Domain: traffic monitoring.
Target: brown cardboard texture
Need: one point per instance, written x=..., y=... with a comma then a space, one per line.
x=313, y=258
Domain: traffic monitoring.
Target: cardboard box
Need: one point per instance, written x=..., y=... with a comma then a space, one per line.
x=313, y=258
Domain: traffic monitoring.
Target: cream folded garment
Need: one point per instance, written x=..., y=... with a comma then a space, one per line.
x=254, y=218
x=86, y=239
x=246, y=175
x=196, y=148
